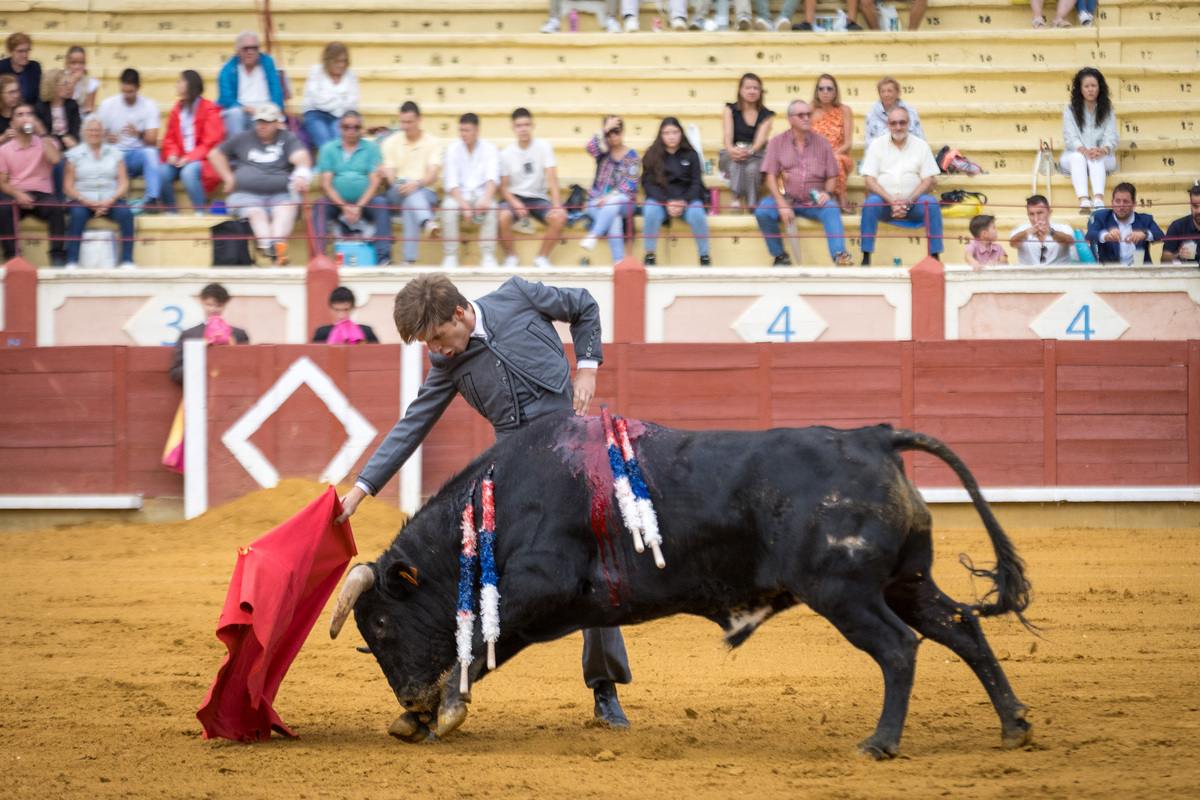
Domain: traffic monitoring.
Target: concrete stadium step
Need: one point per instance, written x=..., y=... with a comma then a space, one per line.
x=183, y=241
x=880, y=52
x=481, y=16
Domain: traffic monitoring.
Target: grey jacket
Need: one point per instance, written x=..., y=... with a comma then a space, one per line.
x=517, y=375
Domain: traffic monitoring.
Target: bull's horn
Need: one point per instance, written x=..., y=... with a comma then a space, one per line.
x=360, y=579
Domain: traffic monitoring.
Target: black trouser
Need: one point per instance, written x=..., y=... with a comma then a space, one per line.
x=45, y=207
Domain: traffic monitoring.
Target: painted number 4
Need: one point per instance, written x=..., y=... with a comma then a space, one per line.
x=785, y=318
x=1084, y=316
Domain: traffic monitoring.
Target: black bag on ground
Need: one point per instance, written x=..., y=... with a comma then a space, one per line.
x=231, y=243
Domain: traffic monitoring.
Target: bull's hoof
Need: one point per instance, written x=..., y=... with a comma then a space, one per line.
x=1019, y=734
x=408, y=727
x=449, y=718
x=876, y=748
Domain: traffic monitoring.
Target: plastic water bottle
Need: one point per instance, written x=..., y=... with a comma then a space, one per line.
x=813, y=194
x=573, y=21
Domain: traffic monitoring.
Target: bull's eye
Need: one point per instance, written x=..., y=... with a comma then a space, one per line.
x=382, y=624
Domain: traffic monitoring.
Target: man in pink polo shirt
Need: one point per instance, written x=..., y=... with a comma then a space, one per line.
x=26, y=184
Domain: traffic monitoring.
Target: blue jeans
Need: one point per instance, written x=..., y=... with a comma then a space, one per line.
x=874, y=211
x=608, y=220
x=144, y=161
x=193, y=184
x=1086, y=5
x=376, y=211
x=829, y=215
x=322, y=127
x=414, y=211
x=655, y=212
x=80, y=214
x=235, y=121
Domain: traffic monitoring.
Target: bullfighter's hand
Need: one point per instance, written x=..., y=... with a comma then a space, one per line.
x=349, y=504
x=585, y=389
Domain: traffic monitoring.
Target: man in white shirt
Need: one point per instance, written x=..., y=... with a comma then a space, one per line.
x=472, y=173
x=131, y=123
x=1040, y=242
x=900, y=172
x=529, y=186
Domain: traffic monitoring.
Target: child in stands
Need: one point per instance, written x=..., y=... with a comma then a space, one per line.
x=983, y=251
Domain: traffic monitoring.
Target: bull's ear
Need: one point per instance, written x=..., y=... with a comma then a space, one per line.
x=400, y=578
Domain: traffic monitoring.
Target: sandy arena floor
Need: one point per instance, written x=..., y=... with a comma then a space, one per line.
x=108, y=647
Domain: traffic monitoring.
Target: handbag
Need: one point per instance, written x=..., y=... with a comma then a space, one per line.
x=961, y=203
x=950, y=161
x=231, y=243
x=1044, y=165
x=576, y=204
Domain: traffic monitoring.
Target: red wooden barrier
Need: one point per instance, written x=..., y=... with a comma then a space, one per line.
x=1021, y=413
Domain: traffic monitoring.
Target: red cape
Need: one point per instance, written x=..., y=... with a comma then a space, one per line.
x=278, y=589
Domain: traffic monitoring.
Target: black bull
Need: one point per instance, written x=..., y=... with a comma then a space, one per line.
x=752, y=523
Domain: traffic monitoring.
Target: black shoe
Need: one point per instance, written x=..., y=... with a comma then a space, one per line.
x=866, y=262
x=853, y=26
x=803, y=26
x=56, y=261
x=782, y=260
x=608, y=708
x=649, y=259
x=705, y=261
x=152, y=206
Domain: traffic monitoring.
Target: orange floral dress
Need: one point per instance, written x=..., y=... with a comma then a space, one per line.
x=830, y=125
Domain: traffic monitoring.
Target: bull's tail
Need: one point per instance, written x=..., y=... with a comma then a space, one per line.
x=1011, y=589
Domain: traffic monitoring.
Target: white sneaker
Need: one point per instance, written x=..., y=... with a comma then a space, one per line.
x=743, y=23
x=71, y=265
x=783, y=24
x=541, y=262
x=761, y=24
x=611, y=25
x=127, y=265
x=553, y=25
x=1085, y=19
x=679, y=24
x=512, y=262
x=589, y=242
x=698, y=24
x=432, y=228
x=488, y=262
x=631, y=24
x=450, y=262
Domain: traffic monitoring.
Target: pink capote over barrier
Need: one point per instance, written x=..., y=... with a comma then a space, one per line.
x=279, y=587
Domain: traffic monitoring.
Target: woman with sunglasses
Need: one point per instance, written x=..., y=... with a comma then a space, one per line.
x=610, y=200
x=835, y=121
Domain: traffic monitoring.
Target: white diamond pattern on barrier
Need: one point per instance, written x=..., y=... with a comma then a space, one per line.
x=780, y=318
x=359, y=432
x=1079, y=315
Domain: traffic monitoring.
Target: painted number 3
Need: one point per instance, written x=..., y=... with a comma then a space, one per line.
x=1082, y=316
x=177, y=313
x=784, y=319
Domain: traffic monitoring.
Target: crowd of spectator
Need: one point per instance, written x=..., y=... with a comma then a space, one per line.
x=243, y=142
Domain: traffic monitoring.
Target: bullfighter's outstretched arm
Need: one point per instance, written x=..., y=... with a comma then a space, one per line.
x=433, y=398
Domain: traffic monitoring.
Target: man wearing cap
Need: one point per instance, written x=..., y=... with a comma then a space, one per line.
x=247, y=81
x=266, y=172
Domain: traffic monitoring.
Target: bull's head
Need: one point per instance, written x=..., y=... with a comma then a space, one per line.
x=416, y=660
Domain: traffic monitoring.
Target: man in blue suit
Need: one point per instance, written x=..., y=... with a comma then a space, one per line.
x=504, y=356
x=1121, y=235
